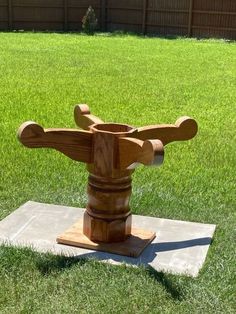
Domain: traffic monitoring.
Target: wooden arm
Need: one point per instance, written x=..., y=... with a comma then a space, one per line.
x=83, y=118
x=133, y=152
x=184, y=129
x=75, y=144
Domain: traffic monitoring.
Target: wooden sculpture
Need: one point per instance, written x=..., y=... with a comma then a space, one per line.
x=112, y=152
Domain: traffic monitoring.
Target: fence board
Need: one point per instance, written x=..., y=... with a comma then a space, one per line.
x=190, y=18
x=38, y=3
x=125, y=27
x=144, y=22
x=115, y=16
x=214, y=20
x=38, y=15
x=65, y=15
x=103, y=15
x=215, y=5
x=169, y=4
x=4, y=14
x=127, y=4
x=41, y=26
x=167, y=18
x=4, y=20
x=84, y=3
x=175, y=30
x=10, y=14
x=200, y=18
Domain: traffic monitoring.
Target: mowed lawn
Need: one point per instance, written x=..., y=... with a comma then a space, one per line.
x=138, y=81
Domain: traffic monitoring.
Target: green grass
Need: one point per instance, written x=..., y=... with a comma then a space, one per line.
x=138, y=81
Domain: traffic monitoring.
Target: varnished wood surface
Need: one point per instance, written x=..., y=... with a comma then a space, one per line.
x=83, y=118
x=104, y=154
x=133, y=151
x=107, y=231
x=117, y=129
x=106, y=147
x=107, y=217
x=111, y=151
x=73, y=143
x=132, y=246
x=184, y=129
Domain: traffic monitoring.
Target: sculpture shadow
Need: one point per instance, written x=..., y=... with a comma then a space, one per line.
x=50, y=265
x=54, y=264
x=169, y=285
x=150, y=252
x=147, y=257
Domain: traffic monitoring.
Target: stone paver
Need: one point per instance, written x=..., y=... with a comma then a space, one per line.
x=180, y=247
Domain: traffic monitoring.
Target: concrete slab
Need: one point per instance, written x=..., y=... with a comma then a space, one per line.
x=180, y=247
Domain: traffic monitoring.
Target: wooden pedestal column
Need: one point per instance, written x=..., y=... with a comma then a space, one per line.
x=108, y=217
x=112, y=152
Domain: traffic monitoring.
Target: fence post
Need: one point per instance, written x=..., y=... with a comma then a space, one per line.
x=190, y=18
x=10, y=24
x=144, y=23
x=103, y=15
x=65, y=15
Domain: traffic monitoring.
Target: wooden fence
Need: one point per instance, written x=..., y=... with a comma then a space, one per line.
x=197, y=18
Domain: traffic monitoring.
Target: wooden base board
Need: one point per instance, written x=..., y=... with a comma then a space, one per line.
x=131, y=247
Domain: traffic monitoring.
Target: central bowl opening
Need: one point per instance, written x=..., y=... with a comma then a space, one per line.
x=113, y=128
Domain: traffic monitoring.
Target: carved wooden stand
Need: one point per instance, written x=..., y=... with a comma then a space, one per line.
x=111, y=152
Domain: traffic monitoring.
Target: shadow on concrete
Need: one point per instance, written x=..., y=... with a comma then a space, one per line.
x=55, y=263
x=150, y=253
x=170, y=246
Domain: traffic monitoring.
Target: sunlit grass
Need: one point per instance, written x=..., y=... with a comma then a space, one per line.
x=138, y=81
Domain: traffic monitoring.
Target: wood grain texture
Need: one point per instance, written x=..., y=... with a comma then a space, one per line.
x=106, y=147
x=10, y=20
x=111, y=151
x=83, y=118
x=184, y=129
x=144, y=20
x=75, y=144
x=105, y=231
x=133, y=151
x=133, y=246
x=65, y=15
x=108, y=217
x=104, y=154
x=190, y=18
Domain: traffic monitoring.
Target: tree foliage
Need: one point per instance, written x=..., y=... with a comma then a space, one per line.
x=89, y=21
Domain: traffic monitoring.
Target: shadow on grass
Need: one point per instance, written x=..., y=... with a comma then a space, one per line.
x=47, y=262
x=53, y=264
x=167, y=283
x=49, y=265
